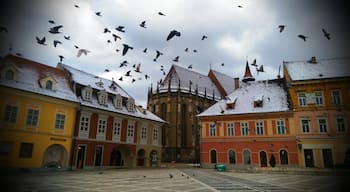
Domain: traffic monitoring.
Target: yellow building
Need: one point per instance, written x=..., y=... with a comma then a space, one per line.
x=320, y=93
x=37, y=111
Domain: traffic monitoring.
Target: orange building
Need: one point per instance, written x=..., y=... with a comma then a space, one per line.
x=251, y=127
x=320, y=95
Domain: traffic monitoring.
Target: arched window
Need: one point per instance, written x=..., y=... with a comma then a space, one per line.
x=284, y=157
x=48, y=85
x=246, y=155
x=9, y=75
x=213, y=156
x=232, y=157
x=163, y=110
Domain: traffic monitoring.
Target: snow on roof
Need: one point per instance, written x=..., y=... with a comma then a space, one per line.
x=139, y=113
x=29, y=73
x=324, y=68
x=274, y=99
x=99, y=83
x=95, y=82
x=203, y=82
x=226, y=81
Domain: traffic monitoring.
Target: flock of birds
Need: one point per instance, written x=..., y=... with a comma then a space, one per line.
x=116, y=37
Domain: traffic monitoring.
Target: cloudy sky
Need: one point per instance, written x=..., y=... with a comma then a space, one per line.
x=235, y=35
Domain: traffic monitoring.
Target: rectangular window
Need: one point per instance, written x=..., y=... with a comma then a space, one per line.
x=143, y=133
x=302, y=99
x=116, y=130
x=32, y=117
x=60, y=120
x=244, y=128
x=230, y=129
x=84, y=125
x=10, y=114
x=319, y=98
x=5, y=148
x=212, y=129
x=305, y=126
x=259, y=127
x=336, y=99
x=281, y=129
x=26, y=150
x=322, y=124
x=101, y=128
x=130, y=133
x=155, y=136
x=340, y=125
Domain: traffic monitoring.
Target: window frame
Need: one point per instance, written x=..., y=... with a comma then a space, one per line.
x=130, y=132
x=23, y=153
x=336, y=99
x=301, y=99
x=212, y=129
x=155, y=136
x=244, y=129
x=302, y=125
x=10, y=116
x=259, y=127
x=60, y=122
x=84, y=129
x=101, y=128
x=230, y=129
x=319, y=98
x=281, y=127
x=32, y=120
x=116, y=131
x=320, y=125
x=343, y=125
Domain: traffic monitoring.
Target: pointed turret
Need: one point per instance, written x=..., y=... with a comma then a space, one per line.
x=247, y=74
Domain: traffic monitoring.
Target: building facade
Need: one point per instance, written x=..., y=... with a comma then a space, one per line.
x=320, y=93
x=37, y=110
x=110, y=129
x=251, y=127
x=178, y=99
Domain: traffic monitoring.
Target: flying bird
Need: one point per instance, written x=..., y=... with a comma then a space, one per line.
x=120, y=28
x=52, y=21
x=158, y=54
x=260, y=69
x=239, y=6
x=133, y=80
x=204, y=37
x=116, y=37
x=222, y=64
x=160, y=13
x=99, y=14
x=138, y=68
x=146, y=76
x=176, y=59
x=82, y=51
x=120, y=79
x=186, y=49
x=106, y=30
x=41, y=41
x=67, y=37
x=172, y=34
x=303, y=37
x=281, y=27
x=76, y=6
x=254, y=63
x=190, y=67
x=127, y=74
x=55, y=30
x=126, y=48
x=326, y=34
x=61, y=58
x=124, y=63
x=56, y=42
x=143, y=24
x=145, y=50
x=76, y=46
x=106, y=70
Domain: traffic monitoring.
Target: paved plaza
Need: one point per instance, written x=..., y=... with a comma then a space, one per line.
x=168, y=179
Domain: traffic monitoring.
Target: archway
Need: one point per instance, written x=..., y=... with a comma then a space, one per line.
x=154, y=158
x=263, y=159
x=213, y=156
x=141, y=157
x=116, y=158
x=55, y=156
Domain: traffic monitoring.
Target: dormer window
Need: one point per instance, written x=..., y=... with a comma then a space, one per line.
x=9, y=72
x=86, y=93
x=102, y=97
x=99, y=84
x=130, y=104
x=118, y=101
x=230, y=104
x=258, y=101
x=48, y=83
x=9, y=75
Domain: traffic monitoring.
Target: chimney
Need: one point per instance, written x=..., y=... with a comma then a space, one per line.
x=236, y=83
x=313, y=60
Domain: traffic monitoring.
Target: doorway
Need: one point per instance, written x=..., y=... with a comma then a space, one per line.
x=116, y=158
x=263, y=159
x=81, y=156
x=309, y=158
x=98, y=155
x=327, y=158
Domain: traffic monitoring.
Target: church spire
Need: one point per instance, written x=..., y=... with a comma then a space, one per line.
x=247, y=74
